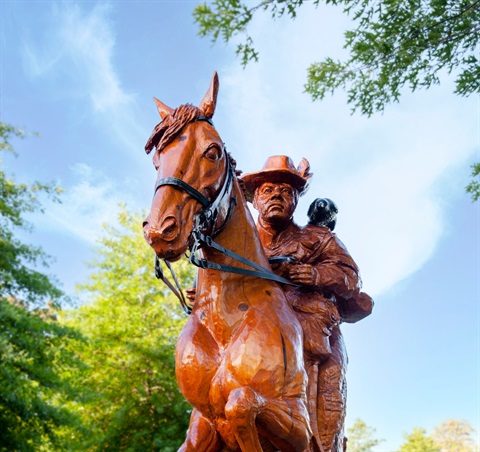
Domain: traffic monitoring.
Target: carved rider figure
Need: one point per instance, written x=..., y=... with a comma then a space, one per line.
x=327, y=289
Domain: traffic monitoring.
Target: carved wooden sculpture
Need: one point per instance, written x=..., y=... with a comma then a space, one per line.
x=239, y=359
x=328, y=290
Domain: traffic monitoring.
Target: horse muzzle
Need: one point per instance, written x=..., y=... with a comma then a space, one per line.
x=163, y=237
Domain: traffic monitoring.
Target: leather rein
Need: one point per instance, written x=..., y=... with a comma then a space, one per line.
x=205, y=221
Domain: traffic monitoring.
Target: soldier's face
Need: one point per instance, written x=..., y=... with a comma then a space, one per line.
x=275, y=202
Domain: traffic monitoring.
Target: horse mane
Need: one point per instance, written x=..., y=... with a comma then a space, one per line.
x=166, y=131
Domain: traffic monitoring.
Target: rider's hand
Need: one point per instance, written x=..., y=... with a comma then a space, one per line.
x=303, y=274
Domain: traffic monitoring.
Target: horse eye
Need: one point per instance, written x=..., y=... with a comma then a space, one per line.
x=212, y=153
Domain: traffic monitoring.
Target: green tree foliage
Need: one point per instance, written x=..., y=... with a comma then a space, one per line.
x=454, y=436
x=33, y=361
x=361, y=437
x=18, y=276
x=131, y=322
x=474, y=186
x=394, y=43
x=418, y=441
x=34, y=387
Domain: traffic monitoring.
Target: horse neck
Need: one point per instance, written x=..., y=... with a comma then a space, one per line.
x=219, y=293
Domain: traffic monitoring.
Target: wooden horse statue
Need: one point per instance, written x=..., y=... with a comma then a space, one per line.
x=239, y=359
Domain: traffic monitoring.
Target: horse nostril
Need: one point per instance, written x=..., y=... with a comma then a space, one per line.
x=145, y=221
x=169, y=229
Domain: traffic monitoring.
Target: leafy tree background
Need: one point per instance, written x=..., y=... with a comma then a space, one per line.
x=361, y=437
x=449, y=436
x=455, y=436
x=33, y=357
x=19, y=277
x=34, y=379
x=131, y=322
x=98, y=377
x=418, y=441
x=394, y=43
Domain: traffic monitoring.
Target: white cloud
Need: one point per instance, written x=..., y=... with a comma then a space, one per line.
x=78, y=51
x=90, y=42
x=76, y=54
x=82, y=44
x=384, y=172
x=91, y=202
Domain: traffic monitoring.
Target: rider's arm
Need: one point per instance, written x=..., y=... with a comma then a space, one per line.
x=330, y=268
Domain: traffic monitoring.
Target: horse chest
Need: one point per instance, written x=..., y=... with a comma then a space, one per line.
x=197, y=359
x=221, y=319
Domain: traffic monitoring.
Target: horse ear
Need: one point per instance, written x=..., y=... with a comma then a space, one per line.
x=162, y=108
x=209, y=102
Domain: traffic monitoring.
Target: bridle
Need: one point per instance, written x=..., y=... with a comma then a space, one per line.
x=204, y=231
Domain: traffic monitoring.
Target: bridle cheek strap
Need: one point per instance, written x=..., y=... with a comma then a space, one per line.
x=207, y=214
x=177, y=290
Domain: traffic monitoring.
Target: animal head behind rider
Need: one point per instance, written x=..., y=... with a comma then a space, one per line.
x=323, y=212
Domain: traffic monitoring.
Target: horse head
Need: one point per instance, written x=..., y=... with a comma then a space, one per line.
x=192, y=167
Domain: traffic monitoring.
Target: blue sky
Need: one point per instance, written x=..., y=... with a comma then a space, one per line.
x=83, y=74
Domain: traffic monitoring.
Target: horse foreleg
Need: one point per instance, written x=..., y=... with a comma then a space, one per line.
x=241, y=411
x=201, y=435
x=285, y=423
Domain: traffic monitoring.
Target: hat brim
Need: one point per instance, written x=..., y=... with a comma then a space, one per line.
x=253, y=180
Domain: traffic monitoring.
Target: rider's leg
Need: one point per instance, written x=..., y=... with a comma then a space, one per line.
x=201, y=435
x=312, y=399
x=332, y=396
